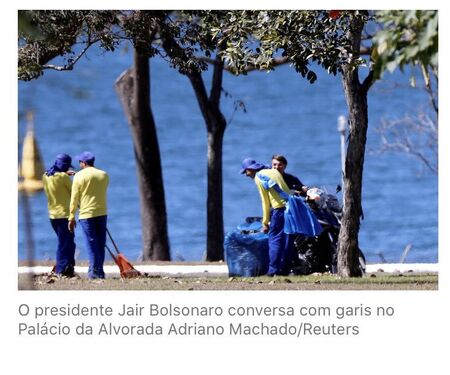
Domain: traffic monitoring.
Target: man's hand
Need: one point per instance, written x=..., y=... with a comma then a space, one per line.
x=71, y=172
x=72, y=225
x=265, y=228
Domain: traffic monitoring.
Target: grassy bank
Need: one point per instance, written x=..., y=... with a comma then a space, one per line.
x=372, y=281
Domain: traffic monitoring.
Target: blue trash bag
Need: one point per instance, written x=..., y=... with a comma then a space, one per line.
x=299, y=219
x=247, y=249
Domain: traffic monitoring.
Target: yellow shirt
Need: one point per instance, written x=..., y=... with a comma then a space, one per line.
x=57, y=189
x=270, y=197
x=89, y=193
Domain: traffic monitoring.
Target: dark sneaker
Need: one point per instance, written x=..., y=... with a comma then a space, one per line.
x=69, y=272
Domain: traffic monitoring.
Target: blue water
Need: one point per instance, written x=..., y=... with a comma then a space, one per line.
x=79, y=110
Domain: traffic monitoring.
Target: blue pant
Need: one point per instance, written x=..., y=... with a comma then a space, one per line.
x=65, y=253
x=95, y=233
x=278, y=243
x=290, y=254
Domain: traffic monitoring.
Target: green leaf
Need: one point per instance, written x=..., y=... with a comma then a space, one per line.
x=311, y=76
x=391, y=66
x=411, y=52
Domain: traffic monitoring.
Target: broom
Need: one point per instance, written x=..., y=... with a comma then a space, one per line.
x=126, y=268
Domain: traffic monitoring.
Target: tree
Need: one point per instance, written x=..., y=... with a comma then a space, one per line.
x=356, y=95
x=133, y=89
x=261, y=38
x=410, y=38
x=406, y=37
x=62, y=32
x=176, y=37
x=414, y=134
x=178, y=46
x=333, y=40
x=215, y=126
x=44, y=35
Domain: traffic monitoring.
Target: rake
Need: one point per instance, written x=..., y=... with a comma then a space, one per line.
x=127, y=270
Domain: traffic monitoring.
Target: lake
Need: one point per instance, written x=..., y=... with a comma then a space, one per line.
x=79, y=110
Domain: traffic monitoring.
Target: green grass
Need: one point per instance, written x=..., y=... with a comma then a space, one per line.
x=373, y=281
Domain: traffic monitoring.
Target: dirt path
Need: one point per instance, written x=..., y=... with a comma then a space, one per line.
x=372, y=281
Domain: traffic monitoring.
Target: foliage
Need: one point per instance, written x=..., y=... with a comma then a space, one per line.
x=246, y=38
x=45, y=35
x=180, y=38
x=61, y=31
x=242, y=38
x=407, y=37
x=27, y=26
x=259, y=38
x=410, y=37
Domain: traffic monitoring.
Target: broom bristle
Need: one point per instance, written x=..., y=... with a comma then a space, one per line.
x=128, y=274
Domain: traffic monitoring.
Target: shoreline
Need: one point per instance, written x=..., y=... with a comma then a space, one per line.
x=210, y=268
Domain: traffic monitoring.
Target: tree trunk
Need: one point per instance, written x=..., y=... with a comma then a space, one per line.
x=133, y=88
x=356, y=96
x=215, y=126
x=214, y=206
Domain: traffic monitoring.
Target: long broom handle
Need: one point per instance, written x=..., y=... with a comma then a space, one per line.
x=110, y=237
x=111, y=253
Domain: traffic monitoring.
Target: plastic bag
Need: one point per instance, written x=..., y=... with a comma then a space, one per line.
x=299, y=219
x=247, y=249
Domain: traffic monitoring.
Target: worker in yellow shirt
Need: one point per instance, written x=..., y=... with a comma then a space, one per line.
x=57, y=187
x=273, y=192
x=89, y=194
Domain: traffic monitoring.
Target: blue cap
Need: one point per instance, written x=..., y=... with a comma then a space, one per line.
x=86, y=156
x=64, y=158
x=63, y=162
x=250, y=163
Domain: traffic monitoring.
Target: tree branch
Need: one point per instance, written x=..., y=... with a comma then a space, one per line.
x=408, y=134
x=216, y=85
x=73, y=62
x=429, y=89
x=275, y=62
x=368, y=81
x=250, y=68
